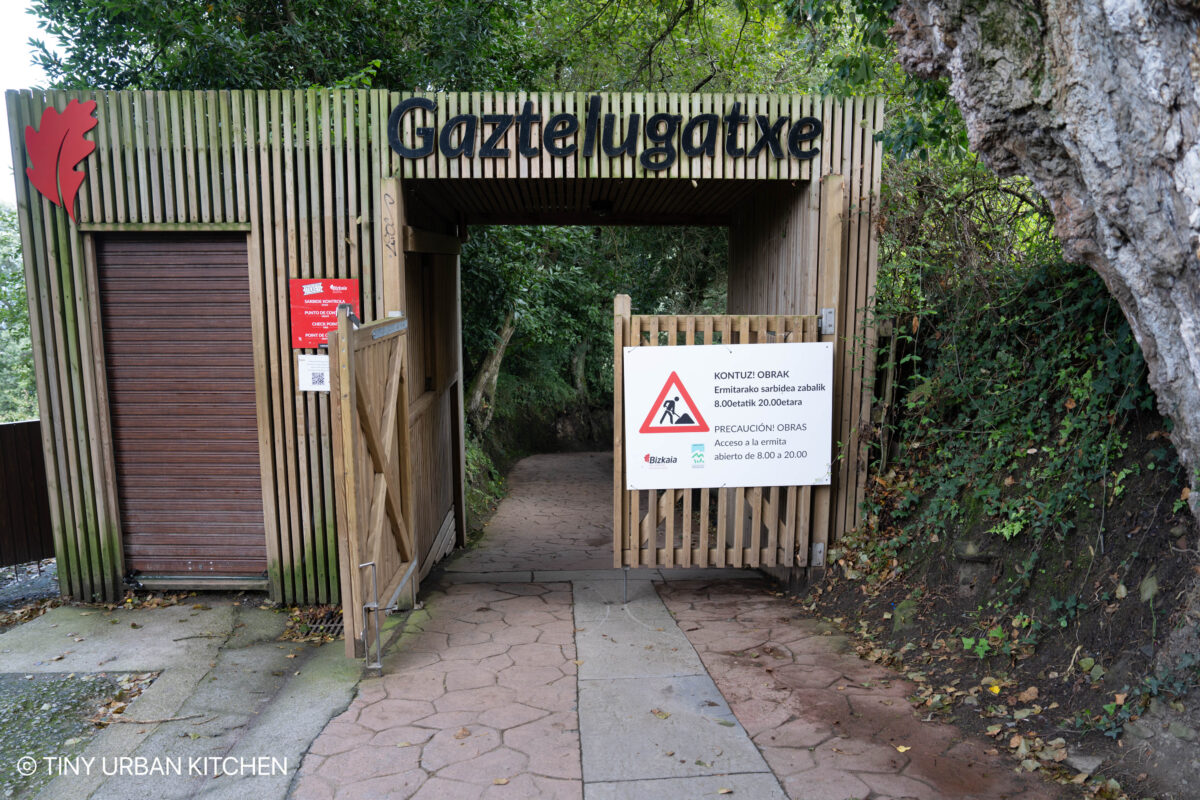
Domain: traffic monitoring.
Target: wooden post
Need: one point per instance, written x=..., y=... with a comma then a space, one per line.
x=829, y=270
x=622, y=310
x=391, y=209
x=457, y=422
x=345, y=437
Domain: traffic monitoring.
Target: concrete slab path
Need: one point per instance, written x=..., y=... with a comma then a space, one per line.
x=534, y=670
x=230, y=715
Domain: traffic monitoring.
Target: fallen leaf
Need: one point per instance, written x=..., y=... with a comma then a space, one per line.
x=658, y=712
x=462, y=733
x=994, y=689
x=903, y=748
x=1029, y=695
x=724, y=791
x=500, y=781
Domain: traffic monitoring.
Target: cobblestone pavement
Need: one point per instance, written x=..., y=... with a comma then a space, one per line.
x=558, y=515
x=831, y=725
x=477, y=700
x=480, y=696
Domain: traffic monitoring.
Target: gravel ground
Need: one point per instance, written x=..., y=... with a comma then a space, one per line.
x=47, y=715
x=26, y=583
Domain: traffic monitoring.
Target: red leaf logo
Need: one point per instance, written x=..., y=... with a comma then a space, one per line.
x=57, y=148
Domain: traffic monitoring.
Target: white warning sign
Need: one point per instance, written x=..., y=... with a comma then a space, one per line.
x=728, y=415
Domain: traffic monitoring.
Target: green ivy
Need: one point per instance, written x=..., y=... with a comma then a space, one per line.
x=1013, y=409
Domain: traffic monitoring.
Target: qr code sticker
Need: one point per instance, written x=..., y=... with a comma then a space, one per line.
x=318, y=379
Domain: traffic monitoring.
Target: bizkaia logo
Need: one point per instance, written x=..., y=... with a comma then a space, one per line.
x=658, y=462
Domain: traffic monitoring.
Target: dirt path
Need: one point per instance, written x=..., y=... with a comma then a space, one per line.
x=574, y=685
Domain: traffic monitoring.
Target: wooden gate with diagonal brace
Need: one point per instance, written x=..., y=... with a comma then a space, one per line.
x=373, y=481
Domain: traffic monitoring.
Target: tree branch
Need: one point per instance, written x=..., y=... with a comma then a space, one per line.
x=647, y=59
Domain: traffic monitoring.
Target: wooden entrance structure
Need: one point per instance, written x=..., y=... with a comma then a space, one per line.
x=381, y=187
x=372, y=469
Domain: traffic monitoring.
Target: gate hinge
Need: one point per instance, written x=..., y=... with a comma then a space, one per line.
x=828, y=322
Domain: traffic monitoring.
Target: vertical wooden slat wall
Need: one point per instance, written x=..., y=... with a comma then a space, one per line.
x=774, y=261
x=291, y=171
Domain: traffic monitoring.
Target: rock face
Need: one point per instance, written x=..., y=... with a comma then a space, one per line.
x=1098, y=102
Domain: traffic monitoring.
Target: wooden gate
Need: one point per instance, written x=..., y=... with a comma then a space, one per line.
x=373, y=482
x=746, y=526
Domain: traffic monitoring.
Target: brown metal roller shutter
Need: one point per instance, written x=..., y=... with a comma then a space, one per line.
x=178, y=351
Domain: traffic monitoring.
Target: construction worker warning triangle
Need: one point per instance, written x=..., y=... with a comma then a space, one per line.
x=674, y=411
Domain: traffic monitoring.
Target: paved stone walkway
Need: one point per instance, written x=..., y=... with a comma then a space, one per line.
x=533, y=671
x=831, y=725
x=557, y=516
x=477, y=699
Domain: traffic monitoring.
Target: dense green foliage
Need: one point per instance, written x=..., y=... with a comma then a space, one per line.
x=227, y=44
x=1019, y=370
x=18, y=391
x=1011, y=418
x=852, y=39
x=559, y=282
x=675, y=45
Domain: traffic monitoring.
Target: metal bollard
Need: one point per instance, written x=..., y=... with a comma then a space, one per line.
x=372, y=610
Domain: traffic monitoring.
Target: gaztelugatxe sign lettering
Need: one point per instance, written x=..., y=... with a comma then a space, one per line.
x=668, y=135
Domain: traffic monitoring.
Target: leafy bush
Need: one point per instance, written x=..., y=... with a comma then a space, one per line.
x=484, y=486
x=1019, y=368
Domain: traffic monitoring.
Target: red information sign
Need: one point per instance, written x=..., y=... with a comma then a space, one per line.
x=314, y=308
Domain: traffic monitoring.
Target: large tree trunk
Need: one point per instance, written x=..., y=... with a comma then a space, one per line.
x=1099, y=104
